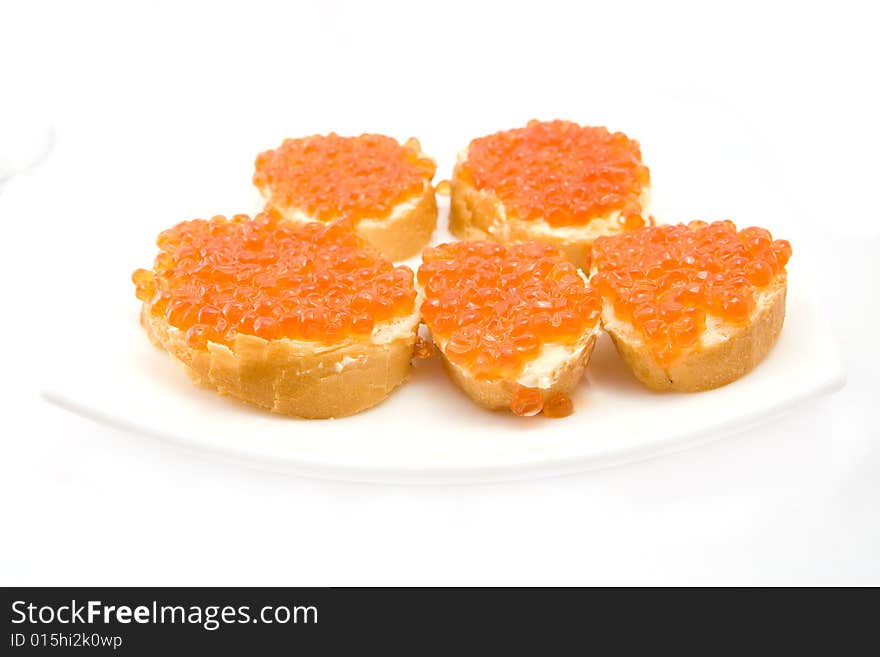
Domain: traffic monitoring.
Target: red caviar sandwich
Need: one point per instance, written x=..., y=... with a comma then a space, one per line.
x=382, y=187
x=303, y=319
x=515, y=324
x=691, y=307
x=555, y=182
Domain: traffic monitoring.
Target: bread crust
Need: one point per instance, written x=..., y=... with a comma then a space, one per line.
x=480, y=215
x=404, y=236
x=292, y=377
x=396, y=237
x=709, y=366
x=496, y=394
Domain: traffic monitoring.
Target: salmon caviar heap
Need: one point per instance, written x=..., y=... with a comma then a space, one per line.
x=332, y=177
x=215, y=279
x=491, y=307
x=666, y=280
x=561, y=172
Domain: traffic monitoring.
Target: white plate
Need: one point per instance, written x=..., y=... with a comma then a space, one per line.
x=704, y=165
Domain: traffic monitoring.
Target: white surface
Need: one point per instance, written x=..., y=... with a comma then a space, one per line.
x=793, y=502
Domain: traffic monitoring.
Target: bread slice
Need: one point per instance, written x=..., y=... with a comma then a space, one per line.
x=556, y=182
x=295, y=377
x=724, y=354
x=397, y=235
x=480, y=215
x=723, y=350
x=510, y=322
x=407, y=230
x=556, y=370
x=400, y=235
x=305, y=320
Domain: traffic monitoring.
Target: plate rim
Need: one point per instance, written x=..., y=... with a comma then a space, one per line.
x=670, y=443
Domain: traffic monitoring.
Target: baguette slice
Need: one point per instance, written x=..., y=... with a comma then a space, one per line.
x=485, y=213
x=407, y=230
x=354, y=178
x=726, y=352
x=562, y=368
x=726, y=349
x=294, y=377
x=304, y=320
x=491, y=311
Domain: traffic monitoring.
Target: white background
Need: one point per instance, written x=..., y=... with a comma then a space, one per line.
x=793, y=502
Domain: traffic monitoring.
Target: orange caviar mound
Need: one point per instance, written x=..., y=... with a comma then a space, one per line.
x=217, y=278
x=561, y=172
x=332, y=177
x=491, y=307
x=666, y=280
